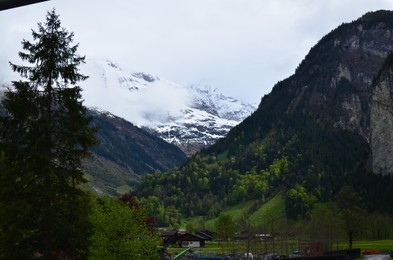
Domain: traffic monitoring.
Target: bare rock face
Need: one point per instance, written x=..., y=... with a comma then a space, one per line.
x=334, y=85
x=333, y=82
x=381, y=124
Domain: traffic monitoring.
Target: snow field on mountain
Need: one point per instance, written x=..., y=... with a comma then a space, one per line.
x=179, y=114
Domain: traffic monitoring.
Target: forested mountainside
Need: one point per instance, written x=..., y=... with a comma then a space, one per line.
x=316, y=132
x=125, y=153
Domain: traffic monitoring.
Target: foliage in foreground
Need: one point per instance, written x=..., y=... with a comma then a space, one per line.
x=44, y=134
x=121, y=232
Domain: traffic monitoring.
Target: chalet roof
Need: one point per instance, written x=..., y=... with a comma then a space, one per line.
x=191, y=236
x=205, y=235
x=169, y=233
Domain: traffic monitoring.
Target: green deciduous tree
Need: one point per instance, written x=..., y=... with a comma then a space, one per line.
x=298, y=202
x=121, y=232
x=153, y=207
x=225, y=227
x=250, y=186
x=44, y=134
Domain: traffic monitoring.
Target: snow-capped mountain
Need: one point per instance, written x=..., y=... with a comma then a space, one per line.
x=191, y=117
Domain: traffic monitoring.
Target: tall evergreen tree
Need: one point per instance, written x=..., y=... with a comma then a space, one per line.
x=43, y=137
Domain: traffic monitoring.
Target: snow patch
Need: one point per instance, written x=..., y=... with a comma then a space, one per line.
x=179, y=114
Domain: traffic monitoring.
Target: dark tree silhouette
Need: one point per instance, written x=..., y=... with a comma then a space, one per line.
x=44, y=134
x=352, y=211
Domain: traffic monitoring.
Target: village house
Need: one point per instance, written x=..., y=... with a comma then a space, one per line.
x=184, y=239
x=190, y=240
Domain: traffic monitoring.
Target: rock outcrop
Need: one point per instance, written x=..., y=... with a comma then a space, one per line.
x=339, y=70
x=381, y=122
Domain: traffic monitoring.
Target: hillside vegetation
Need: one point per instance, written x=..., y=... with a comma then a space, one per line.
x=309, y=138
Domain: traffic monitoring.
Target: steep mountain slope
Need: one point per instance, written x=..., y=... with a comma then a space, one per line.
x=190, y=117
x=309, y=137
x=125, y=153
x=333, y=84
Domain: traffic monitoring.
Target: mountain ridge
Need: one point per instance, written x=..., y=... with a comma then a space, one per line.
x=191, y=117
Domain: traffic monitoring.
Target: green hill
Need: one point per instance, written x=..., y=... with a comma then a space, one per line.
x=273, y=209
x=259, y=214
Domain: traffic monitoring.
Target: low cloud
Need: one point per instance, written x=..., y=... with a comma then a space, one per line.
x=241, y=47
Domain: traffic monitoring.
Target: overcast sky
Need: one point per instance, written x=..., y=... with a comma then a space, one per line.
x=242, y=47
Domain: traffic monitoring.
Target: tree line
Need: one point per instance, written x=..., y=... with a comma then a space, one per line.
x=308, y=161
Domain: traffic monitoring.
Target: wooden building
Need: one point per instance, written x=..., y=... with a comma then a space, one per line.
x=190, y=240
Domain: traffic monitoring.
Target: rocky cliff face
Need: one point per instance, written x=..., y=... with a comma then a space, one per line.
x=333, y=86
x=381, y=123
x=333, y=82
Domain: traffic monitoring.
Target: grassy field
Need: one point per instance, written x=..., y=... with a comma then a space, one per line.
x=235, y=211
x=272, y=209
x=382, y=245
